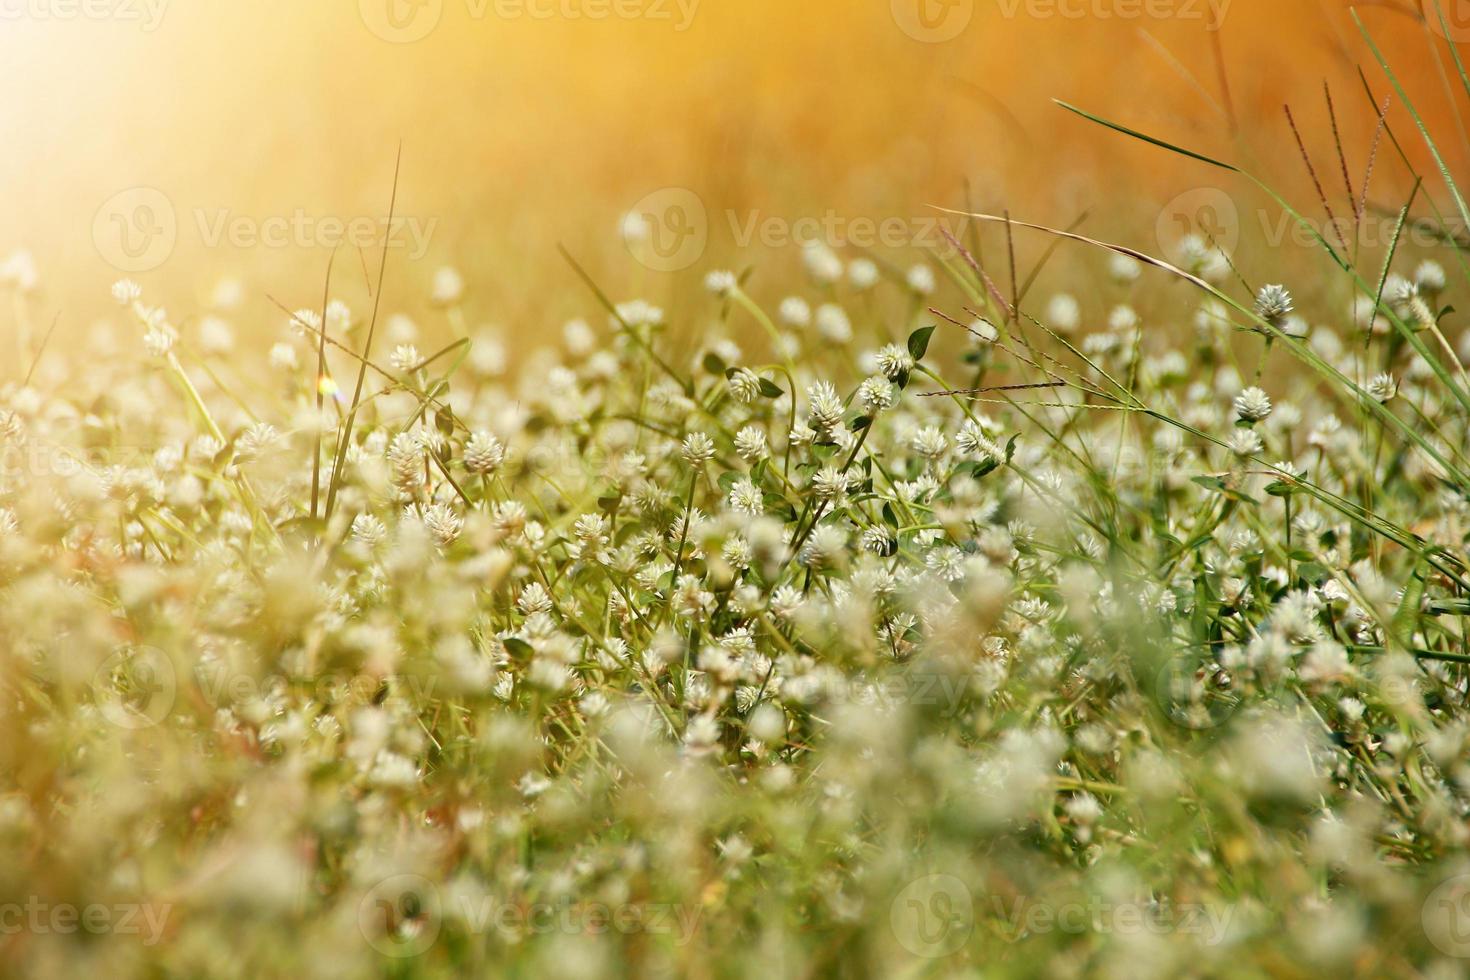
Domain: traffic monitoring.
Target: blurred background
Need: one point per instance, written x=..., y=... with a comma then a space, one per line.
x=182, y=143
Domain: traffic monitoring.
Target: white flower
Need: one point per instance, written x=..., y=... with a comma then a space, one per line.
x=1382, y=387
x=828, y=482
x=862, y=273
x=984, y=331
x=1252, y=405
x=721, y=282
x=1124, y=268
x=1063, y=313
x=1273, y=304
x=824, y=408
x=795, y=312
x=745, y=498
x=875, y=394
x=405, y=357
x=833, y=324
x=483, y=454
x=821, y=262
x=1246, y=442
x=750, y=444
x=921, y=280
x=1430, y=277
x=697, y=449
x=368, y=529
x=126, y=292
x=894, y=361
x=448, y=286
x=283, y=357
x=930, y=442
x=638, y=313
x=745, y=385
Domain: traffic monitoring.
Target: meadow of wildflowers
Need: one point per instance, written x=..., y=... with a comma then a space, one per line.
x=909, y=625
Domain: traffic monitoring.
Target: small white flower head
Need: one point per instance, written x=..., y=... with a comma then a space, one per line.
x=833, y=324
x=216, y=336
x=930, y=442
x=1123, y=317
x=283, y=357
x=750, y=444
x=1124, y=268
x=19, y=271
x=256, y=440
x=339, y=316
x=1274, y=304
x=448, y=287
x=879, y=540
x=745, y=385
x=921, y=279
x=578, y=336
x=826, y=548
x=159, y=336
x=1252, y=405
x=875, y=394
x=894, y=361
x=1246, y=442
x=821, y=262
x=1063, y=313
x=483, y=454
x=828, y=482
x=697, y=449
x=862, y=273
x=984, y=331
x=721, y=282
x=369, y=529
x=533, y=599
x=824, y=409
x=405, y=357
x=746, y=498
x=639, y=313
x=126, y=292
x=634, y=227
x=795, y=312
x=1430, y=277
x=1382, y=387
x=973, y=440
x=305, y=323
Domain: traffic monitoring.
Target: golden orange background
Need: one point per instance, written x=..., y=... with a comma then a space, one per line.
x=520, y=132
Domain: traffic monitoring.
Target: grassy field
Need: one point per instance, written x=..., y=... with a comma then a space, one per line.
x=916, y=620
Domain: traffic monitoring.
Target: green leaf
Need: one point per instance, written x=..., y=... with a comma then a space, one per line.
x=769, y=389
x=919, y=342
